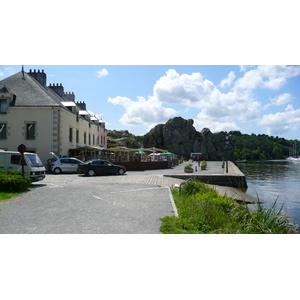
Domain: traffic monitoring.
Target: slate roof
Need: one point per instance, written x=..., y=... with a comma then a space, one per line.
x=29, y=92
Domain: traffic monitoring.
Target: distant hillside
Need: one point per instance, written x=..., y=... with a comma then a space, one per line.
x=124, y=139
x=261, y=146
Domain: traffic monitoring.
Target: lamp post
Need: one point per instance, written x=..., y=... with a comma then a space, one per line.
x=226, y=152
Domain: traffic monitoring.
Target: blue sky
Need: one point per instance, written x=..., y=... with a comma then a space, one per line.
x=251, y=99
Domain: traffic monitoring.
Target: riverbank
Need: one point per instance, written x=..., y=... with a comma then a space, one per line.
x=202, y=210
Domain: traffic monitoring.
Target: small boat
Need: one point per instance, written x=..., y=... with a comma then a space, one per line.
x=243, y=161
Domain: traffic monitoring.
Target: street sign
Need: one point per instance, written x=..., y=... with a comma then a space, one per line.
x=22, y=149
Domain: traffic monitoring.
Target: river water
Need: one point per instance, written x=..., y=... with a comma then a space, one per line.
x=274, y=179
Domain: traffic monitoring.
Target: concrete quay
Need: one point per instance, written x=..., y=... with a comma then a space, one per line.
x=214, y=174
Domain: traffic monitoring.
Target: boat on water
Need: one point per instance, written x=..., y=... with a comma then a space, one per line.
x=243, y=161
x=293, y=159
x=294, y=154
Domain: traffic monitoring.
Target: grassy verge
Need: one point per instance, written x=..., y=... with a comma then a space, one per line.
x=202, y=210
x=6, y=196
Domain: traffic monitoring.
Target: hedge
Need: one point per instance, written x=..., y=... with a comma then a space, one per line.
x=13, y=181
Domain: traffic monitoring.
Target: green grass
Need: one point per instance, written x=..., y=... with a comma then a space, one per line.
x=6, y=196
x=201, y=210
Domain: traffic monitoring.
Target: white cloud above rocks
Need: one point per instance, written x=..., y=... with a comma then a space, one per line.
x=142, y=111
x=228, y=80
x=213, y=108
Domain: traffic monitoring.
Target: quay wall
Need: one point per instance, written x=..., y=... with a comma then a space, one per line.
x=236, y=181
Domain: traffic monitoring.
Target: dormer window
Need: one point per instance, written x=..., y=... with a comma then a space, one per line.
x=3, y=106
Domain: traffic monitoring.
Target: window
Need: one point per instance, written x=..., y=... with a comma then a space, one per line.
x=30, y=131
x=93, y=139
x=84, y=138
x=89, y=138
x=16, y=159
x=71, y=134
x=3, y=106
x=77, y=136
x=3, y=131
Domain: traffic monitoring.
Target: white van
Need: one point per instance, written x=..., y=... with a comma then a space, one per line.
x=33, y=167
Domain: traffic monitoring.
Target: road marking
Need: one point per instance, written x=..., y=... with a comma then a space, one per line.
x=154, y=188
x=56, y=185
x=98, y=198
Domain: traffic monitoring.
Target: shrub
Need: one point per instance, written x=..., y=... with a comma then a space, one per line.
x=189, y=166
x=13, y=181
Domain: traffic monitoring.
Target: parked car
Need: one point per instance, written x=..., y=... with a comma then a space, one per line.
x=65, y=165
x=100, y=167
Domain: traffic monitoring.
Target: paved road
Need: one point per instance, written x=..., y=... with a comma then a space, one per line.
x=131, y=203
x=75, y=204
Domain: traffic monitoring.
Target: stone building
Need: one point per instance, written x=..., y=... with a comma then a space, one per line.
x=46, y=118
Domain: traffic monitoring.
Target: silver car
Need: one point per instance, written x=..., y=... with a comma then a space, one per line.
x=65, y=165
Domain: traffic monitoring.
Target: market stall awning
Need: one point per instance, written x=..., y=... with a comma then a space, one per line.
x=153, y=149
x=119, y=148
x=139, y=152
x=86, y=148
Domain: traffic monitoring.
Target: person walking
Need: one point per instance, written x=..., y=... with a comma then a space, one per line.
x=199, y=160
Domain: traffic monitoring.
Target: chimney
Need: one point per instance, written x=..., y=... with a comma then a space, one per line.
x=41, y=77
x=82, y=105
x=70, y=96
x=59, y=89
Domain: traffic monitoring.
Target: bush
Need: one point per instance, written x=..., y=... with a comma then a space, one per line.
x=204, y=164
x=189, y=166
x=13, y=181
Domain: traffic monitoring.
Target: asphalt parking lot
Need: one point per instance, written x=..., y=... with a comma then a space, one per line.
x=76, y=204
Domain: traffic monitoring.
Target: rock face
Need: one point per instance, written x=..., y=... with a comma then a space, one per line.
x=180, y=137
x=177, y=135
x=216, y=147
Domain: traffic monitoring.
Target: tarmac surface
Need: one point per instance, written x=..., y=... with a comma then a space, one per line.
x=76, y=204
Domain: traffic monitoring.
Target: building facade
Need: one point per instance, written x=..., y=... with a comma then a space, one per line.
x=46, y=119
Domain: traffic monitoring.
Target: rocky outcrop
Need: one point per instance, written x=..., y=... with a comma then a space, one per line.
x=122, y=138
x=180, y=137
x=216, y=146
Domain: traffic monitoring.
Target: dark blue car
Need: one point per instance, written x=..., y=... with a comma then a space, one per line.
x=100, y=167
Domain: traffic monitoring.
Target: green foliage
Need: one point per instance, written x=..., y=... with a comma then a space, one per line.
x=260, y=146
x=189, y=166
x=5, y=196
x=202, y=210
x=13, y=181
x=204, y=163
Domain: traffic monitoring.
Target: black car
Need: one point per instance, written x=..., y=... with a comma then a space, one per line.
x=100, y=167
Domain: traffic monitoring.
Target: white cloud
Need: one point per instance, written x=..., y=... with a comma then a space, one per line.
x=216, y=110
x=186, y=89
x=101, y=73
x=269, y=77
x=191, y=91
x=227, y=81
x=142, y=112
x=1, y=73
x=214, y=126
x=281, y=99
x=282, y=121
